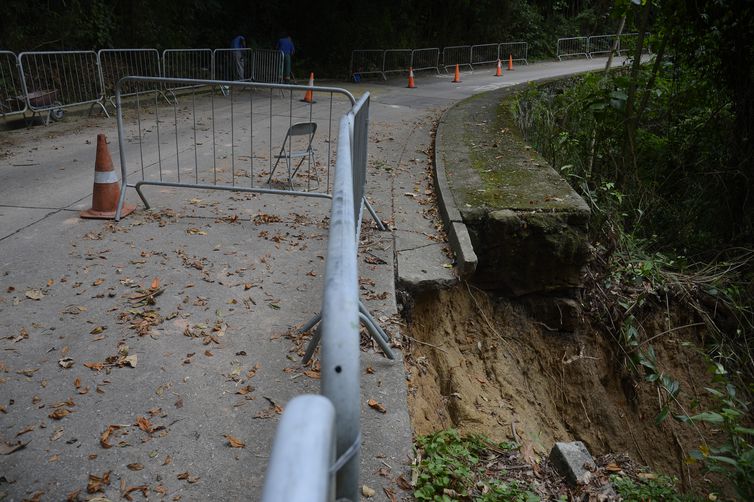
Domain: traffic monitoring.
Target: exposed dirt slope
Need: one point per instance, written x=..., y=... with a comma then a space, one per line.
x=480, y=365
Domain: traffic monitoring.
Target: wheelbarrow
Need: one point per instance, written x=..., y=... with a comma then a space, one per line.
x=44, y=99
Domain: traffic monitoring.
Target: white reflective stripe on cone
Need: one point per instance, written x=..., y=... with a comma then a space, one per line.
x=106, y=177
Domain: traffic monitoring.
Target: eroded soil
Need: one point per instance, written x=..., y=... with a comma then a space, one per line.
x=481, y=365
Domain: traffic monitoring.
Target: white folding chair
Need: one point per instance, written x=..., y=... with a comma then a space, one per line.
x=288, y=153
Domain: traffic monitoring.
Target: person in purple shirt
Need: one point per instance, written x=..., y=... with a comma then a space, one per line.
x=239, y=43
x=285, y=45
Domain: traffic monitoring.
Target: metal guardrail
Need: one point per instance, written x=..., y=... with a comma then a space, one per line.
x=53, y=80
x=186, y=64
x=602, y=44
x=340, y=357
x=426, y=59
x=230, y=64
x=12, y=97
x=267, y=66
x=518, y=51
x=396, y=61
x=114, y=64
x=366, y=62
x=456, y=55
x=221, y=143
x=485, y=54
x=573, y=46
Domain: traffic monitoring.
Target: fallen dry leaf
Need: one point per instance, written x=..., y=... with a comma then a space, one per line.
x=66, y=362
x=234, y=442
x=59, y=414
x=126, y=494
x=25, y=430
x=185, y=476
x=96, y=483
x=144, y=424
x=8, y=448
x=57, y=434
x=376, y=406
x=135, y=466
x=403, y=484
x=155, y=283
x=245, y=390
x=34, y=294
x=105, y=436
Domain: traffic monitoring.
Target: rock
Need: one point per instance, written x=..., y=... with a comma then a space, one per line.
x=367, y=492
x=573, y=461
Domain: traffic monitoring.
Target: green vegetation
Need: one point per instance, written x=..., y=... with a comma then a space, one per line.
x=451, y=467
x=650, y=488
x=663, y=154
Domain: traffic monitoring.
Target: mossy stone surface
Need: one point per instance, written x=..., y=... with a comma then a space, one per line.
x=527, y=225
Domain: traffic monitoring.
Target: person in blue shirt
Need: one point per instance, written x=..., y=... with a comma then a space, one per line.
x=239, y=43
x=285, y=45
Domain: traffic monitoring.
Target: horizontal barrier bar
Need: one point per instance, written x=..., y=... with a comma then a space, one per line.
x=303, y=453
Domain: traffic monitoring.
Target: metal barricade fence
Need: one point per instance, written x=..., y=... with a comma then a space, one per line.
x=186, y=64
x=426, y=59
x=457, y=55
x=231, y=64
x=232, y=142
x=267, y=66
x=115, y=64
x=12, y=97
x=54, y=80
x=485, y=54
x=367, y=61
x=396, y=61
x=627, y=43
x=573, y=46
x=518, y=51
x=340, y=356
x=601, y=44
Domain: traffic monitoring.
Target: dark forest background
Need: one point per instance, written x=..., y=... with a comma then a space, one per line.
x=324, y=32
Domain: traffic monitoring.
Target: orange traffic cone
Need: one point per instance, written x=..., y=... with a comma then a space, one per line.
x=106, y=186
x=457, y=77
x=499, y=72
x=309, y=96
x=411, y=84
x=510, y=62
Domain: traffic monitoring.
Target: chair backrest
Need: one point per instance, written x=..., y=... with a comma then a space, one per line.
x=302, y=129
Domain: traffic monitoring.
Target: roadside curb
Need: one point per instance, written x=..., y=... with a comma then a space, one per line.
x=458, y=234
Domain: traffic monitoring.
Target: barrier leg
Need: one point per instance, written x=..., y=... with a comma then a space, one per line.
x=141, y=195
x=363, y=310
x=374, y=331
x=374, y=215
x=310, y=324
x=312, y=346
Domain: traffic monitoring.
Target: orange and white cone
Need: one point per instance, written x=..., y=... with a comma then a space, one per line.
x=411, y=84
x=499, y=72
x=510, y=62
x=457, y=76
x=106, y=186
x=309, y=95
